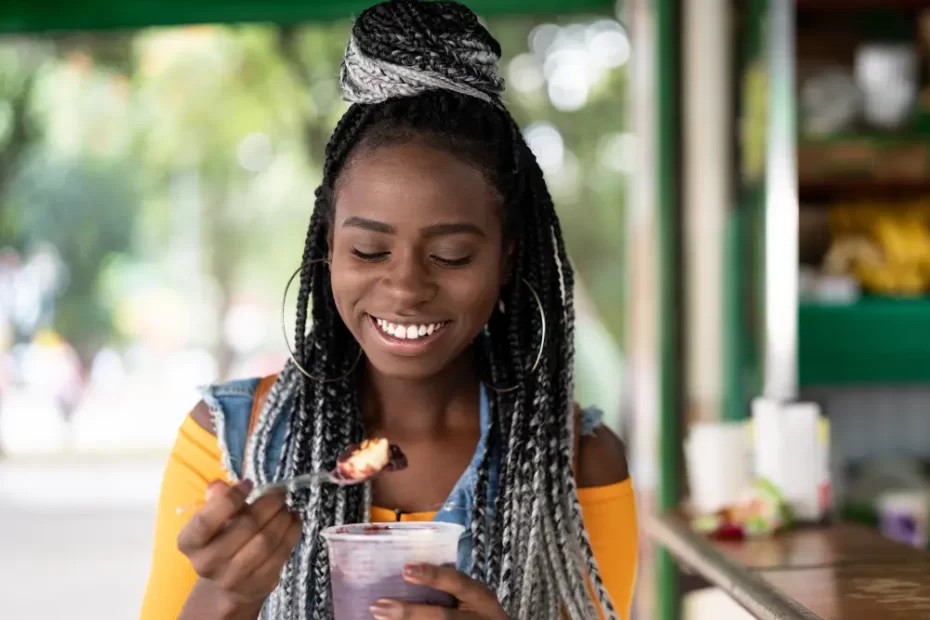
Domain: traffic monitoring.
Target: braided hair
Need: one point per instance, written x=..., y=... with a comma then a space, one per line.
x=428, y=71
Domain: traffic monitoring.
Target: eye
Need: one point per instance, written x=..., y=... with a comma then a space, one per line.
x=373, y=257
x=451, y=263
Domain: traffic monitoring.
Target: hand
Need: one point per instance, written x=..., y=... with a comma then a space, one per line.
x=240, y=548
x=476, y=602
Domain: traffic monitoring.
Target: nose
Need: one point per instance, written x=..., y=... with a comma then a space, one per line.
x=408, y=281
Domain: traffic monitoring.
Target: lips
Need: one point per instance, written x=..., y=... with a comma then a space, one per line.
x=407, y=331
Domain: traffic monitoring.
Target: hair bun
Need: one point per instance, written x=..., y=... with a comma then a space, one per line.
x=406, y=47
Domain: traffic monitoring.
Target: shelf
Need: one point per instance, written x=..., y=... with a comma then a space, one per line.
x=818, y=6
x=875, y=340
x=877, y=166
x=853, y=189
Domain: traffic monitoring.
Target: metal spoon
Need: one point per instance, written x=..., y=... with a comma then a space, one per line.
x=339, y=476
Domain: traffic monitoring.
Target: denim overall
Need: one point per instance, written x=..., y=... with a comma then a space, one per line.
x=231, y=403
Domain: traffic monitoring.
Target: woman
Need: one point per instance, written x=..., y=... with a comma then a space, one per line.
x=442, y=320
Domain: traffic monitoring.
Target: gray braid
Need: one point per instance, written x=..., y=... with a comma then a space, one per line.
x=368, y=77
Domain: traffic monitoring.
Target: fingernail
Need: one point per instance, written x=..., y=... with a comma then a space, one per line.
x=386, y=610
x=213, y=488
x=246, y=486
x=413, y=571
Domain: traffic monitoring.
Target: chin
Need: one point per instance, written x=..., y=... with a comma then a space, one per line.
x=407, y=368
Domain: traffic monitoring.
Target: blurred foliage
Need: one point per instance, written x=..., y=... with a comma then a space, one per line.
x=163, y=144
x=86, y=210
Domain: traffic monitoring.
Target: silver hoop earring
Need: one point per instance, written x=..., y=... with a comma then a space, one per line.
x=287, y=342
x=542, y=339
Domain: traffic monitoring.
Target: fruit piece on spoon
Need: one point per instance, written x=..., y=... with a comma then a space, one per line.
x=357, y=464
x=368, y=459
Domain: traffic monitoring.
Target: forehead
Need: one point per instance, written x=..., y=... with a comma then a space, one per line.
x=417, y=185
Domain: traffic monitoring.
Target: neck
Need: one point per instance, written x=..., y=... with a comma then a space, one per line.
x=448, y=399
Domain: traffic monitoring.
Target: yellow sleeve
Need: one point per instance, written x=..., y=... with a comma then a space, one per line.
x=195, y=462
x=609, y=514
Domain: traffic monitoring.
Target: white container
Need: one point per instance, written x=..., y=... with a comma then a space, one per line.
x=718, y=459
x=887, y=76
x=791, y=449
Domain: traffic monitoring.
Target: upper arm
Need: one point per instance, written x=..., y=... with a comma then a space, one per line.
x=602, y=459
x=194, y=463
x=203, y=417
x=609, y=511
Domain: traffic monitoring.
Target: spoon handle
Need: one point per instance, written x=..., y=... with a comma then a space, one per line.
x=297, y=482
x=290, y=484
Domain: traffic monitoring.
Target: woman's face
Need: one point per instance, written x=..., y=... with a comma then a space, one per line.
x=417, y=256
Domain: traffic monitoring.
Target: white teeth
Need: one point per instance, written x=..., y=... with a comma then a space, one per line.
x=408, y=332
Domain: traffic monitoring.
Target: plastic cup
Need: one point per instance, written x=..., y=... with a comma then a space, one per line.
x=367, y=560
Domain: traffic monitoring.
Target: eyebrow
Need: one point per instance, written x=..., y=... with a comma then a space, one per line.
x=366, y=224
x=436, y=230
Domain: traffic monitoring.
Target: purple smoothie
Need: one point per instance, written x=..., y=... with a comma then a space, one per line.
x=351, y=601
x=367, y=562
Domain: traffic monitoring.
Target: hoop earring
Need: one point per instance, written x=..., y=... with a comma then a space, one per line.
x=542, y=340
x=287, y=342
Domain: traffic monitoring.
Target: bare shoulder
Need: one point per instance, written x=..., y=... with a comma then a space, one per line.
x=601, y=459
x=203, y=417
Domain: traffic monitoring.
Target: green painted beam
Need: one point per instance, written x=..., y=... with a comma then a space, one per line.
x=667, y=37
x=61, y=15
x=734, y=333
x=669, y=219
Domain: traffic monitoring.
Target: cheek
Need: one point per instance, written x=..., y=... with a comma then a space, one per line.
x=475, y=295
x=348, y=287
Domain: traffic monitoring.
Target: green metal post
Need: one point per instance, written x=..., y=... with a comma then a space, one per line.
x=667, y=179
x=734, y=332
x=751, y=195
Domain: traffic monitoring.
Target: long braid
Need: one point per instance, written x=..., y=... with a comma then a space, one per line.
x=565, y=395
x=427, y=71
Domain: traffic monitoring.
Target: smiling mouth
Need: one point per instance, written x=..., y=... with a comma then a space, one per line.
x=410, y=332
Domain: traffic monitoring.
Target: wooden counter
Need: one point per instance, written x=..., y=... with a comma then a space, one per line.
x=840, y=572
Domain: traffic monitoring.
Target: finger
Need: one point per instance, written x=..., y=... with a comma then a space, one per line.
x=224, y=502
x=244, y=527
x=271, y=569
x=257, y=550
x=386, y=609
x=469, y=592
x=269, y=505
x=213, y=488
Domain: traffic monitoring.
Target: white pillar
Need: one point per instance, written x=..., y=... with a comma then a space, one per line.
x=781, y=210
x=707, y=164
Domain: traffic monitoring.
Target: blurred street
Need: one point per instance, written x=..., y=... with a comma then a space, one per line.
x=79, y=549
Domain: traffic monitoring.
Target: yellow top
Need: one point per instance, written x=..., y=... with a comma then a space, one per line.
x=609, y=516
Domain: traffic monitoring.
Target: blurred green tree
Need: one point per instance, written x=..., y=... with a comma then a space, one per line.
x=212, y=137
x=86, y=211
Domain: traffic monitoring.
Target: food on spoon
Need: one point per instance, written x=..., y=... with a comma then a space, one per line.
x=371, y=457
